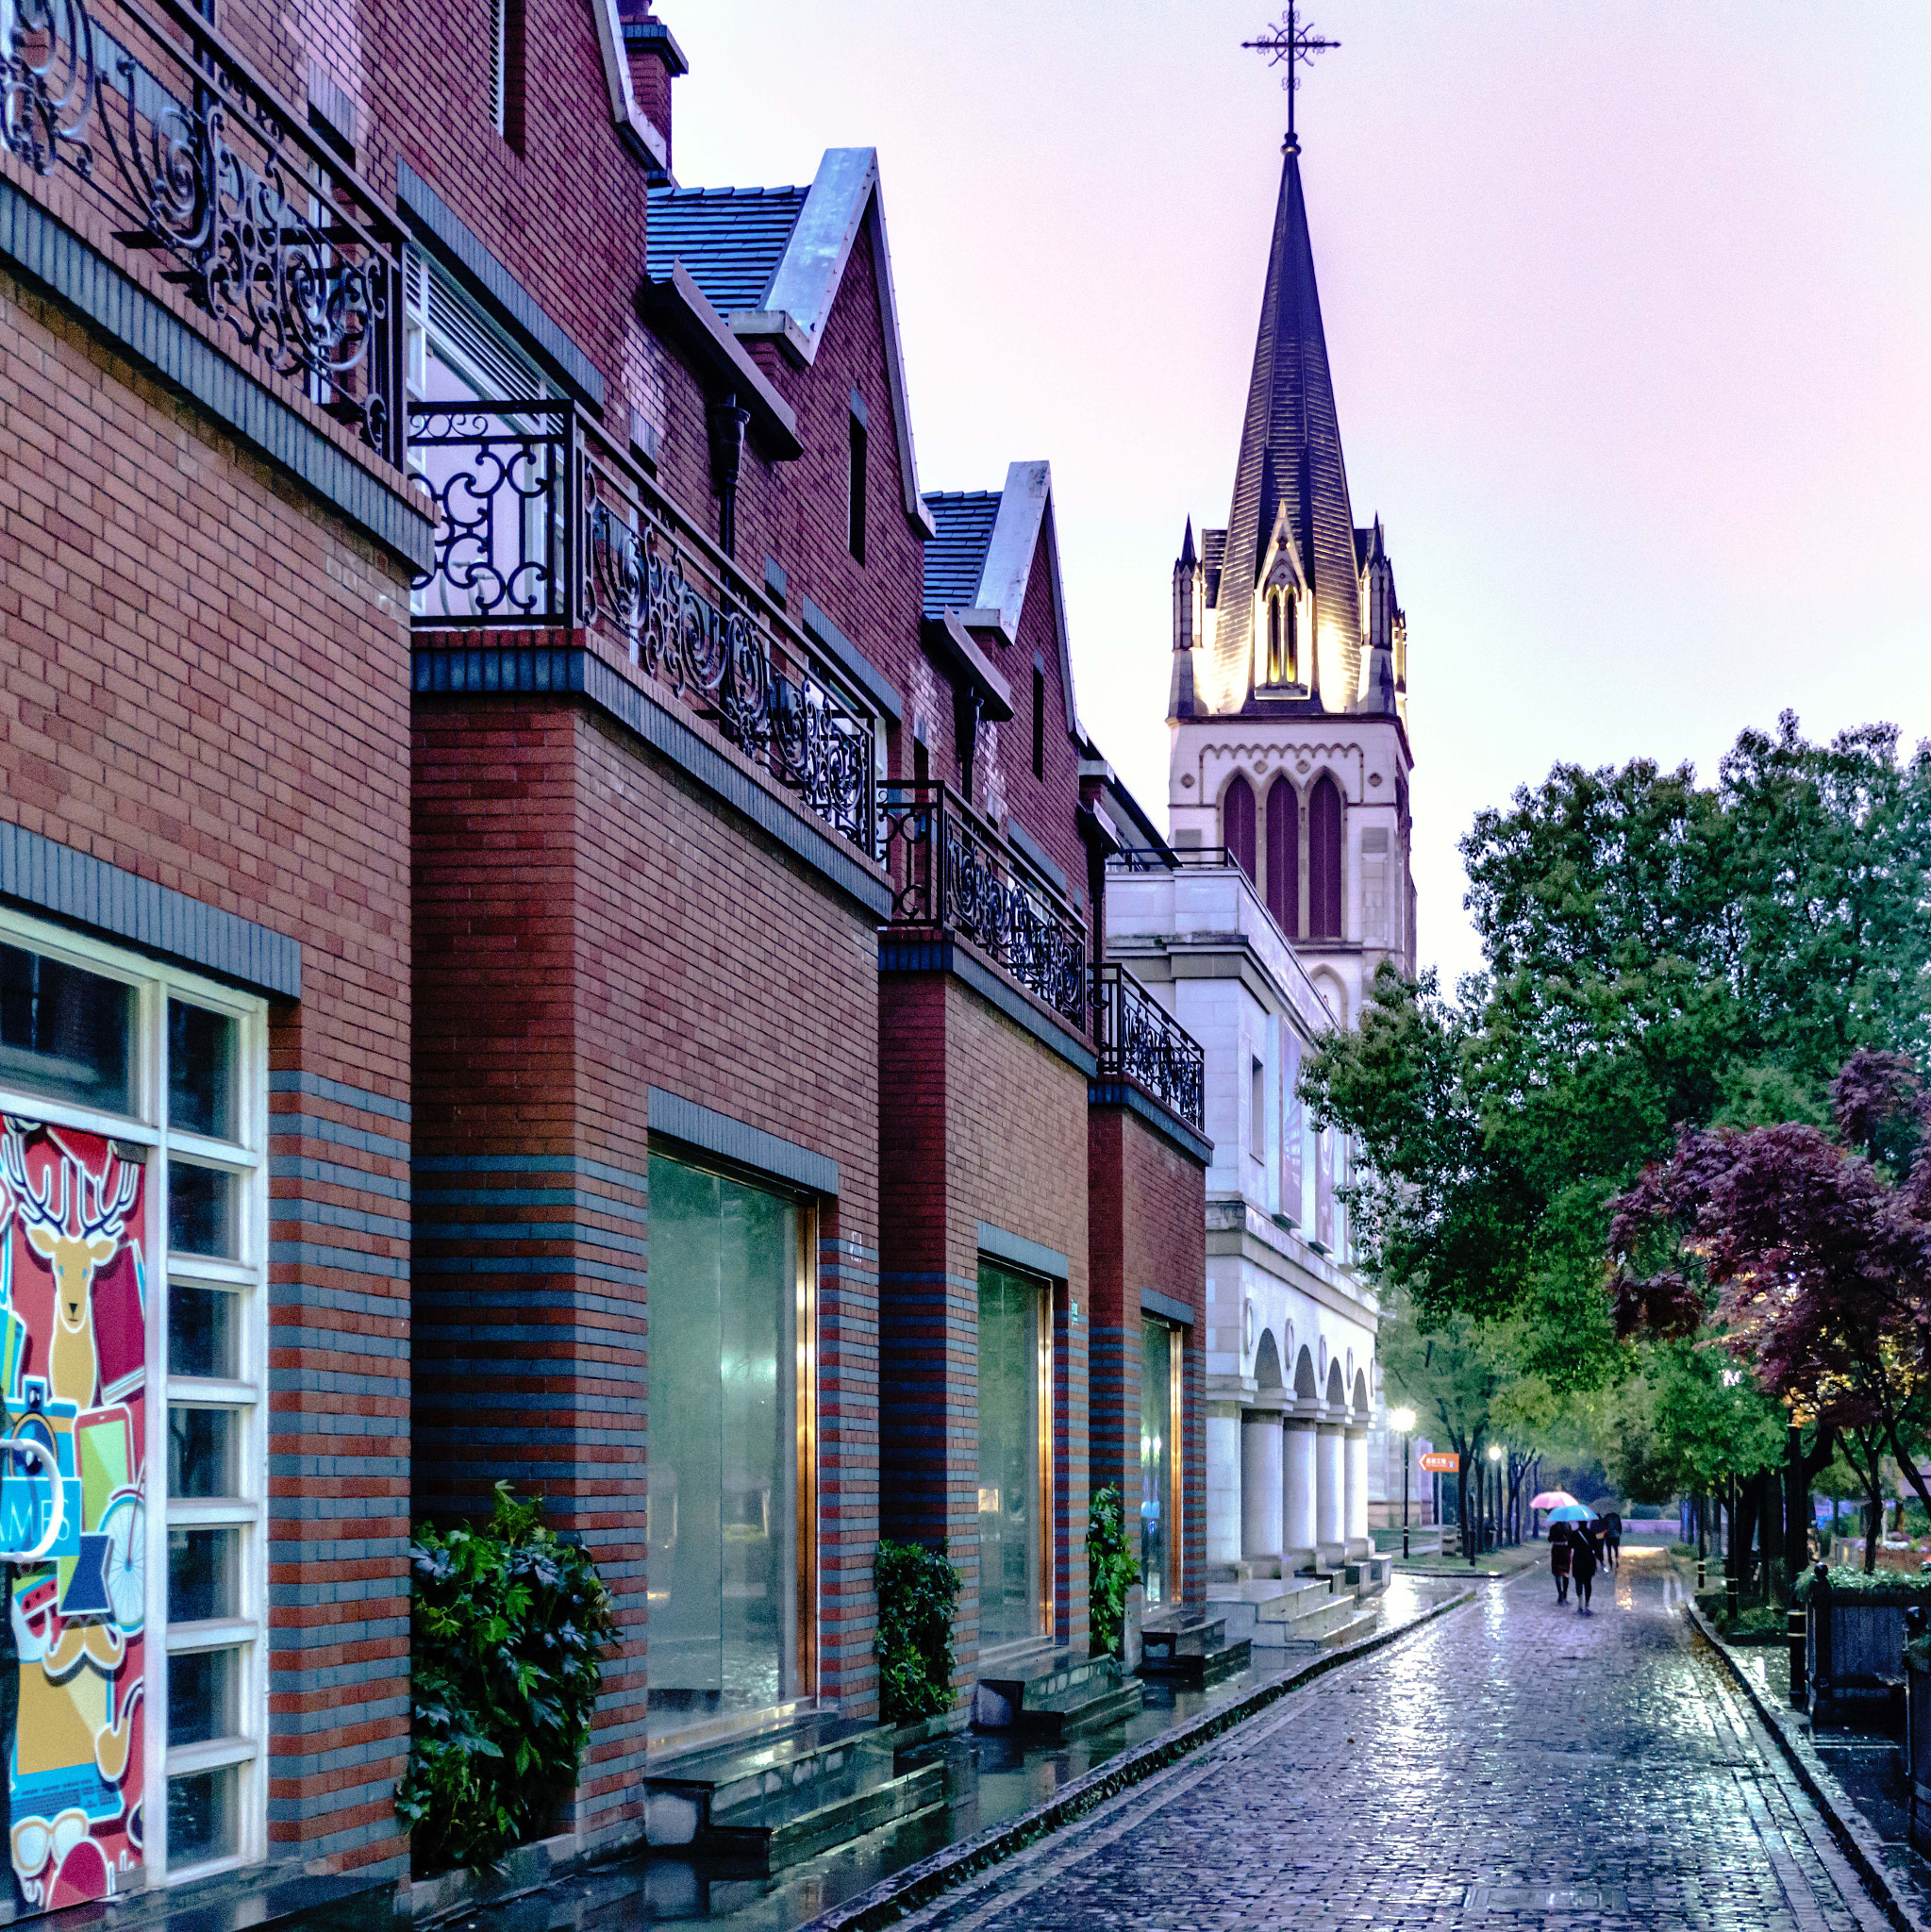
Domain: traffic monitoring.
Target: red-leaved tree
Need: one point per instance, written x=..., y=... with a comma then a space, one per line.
x=1816, y=1253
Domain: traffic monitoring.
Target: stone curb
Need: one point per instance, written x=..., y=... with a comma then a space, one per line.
x=1855, y=1837
x=906, y=1891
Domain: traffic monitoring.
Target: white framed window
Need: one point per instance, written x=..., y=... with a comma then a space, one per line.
x=138, y=1086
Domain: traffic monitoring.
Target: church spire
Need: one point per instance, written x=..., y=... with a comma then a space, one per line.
x=1291, y=456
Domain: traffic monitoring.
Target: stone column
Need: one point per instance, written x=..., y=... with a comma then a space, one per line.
x=1260, y=1484
x=1356, y=1510
x=1223, y=1484
x=1330, y=1494
x=1297, y=1493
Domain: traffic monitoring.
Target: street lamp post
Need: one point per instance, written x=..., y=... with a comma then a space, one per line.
x=1495, y=1476
x=1404, y=1418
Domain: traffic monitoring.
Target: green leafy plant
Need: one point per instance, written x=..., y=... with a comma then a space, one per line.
x=510, y=1623
x=1846, y=1582
x=917, y=1590
x=1110, y=1569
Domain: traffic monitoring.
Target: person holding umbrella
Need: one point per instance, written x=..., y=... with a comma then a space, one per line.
x=1582, y=1550
x=1558, y=1559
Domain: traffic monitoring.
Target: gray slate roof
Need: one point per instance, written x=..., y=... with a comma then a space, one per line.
x=955, y=557
x=730, y=238
x=1291, y=446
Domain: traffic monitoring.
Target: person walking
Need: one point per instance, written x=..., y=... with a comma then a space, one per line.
x=1558, y=1559
x=1582, y=1562
x=1612, y=1539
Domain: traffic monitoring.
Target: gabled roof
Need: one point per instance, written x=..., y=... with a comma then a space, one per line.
x=962, y=521
x=730, y=238
x=987, y=543
x=1290, y=451
x=792, y=252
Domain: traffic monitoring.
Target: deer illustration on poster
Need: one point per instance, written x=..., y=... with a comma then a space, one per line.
x=72, y=1380
x=73, y=1245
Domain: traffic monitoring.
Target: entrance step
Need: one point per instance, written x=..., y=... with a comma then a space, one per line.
x=1256, y=1610
x=1368, y=1574
x=767, y=1801
x=1054, y=1694
x=1185, y=1648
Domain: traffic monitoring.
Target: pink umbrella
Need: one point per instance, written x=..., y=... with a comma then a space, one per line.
x=1551, y=1499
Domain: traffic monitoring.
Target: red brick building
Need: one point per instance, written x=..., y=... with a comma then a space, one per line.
x=547, y=914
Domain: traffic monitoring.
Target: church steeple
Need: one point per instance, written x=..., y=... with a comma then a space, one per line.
x=1290, y=454
x=1189, y=609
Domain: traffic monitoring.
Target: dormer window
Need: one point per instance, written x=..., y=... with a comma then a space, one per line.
x=1283, y=638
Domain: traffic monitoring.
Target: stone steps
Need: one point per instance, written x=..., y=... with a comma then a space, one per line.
x=767, y=1801
x=1187, y=1648
x=1055, y=1695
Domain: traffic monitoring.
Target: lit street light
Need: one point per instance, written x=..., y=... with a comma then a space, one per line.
x=1404, y=1418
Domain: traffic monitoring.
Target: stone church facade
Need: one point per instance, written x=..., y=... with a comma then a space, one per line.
x=1289, y=884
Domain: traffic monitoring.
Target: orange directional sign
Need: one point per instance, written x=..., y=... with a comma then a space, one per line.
x=1439, y=1461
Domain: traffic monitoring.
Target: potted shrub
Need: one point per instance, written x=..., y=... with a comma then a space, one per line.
x=1854, y=1644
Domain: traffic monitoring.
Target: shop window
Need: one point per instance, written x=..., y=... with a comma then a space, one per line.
x=1160, y=1461
x=1013, y=1398
x=133, y=1115
x=728, y=1603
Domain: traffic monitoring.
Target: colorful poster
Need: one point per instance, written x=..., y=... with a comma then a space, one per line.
x=1294, y=1127
x=73, y=1367
x=1324, y=1189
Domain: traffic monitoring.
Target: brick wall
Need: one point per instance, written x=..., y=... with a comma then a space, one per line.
x=979, y=1121
x=589, y=925
x=1148, y=1230
x=203, y=680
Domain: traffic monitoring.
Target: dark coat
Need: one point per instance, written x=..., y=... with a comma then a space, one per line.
x=1584, y=1560
x=1559, y=1549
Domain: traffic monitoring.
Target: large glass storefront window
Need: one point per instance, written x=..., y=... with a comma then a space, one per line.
x=727, y=1282
x=1012, y=1502
x=133, y=1212
x=1160, y=1407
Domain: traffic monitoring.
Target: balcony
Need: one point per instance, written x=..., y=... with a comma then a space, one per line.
x=1139, y=1040
x=149, y=120
x=950, y=869
x=546, y=525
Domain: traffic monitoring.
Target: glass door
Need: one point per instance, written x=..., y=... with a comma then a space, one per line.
x=724, y=1575
x=1160, y=1412
x=1013, y=1383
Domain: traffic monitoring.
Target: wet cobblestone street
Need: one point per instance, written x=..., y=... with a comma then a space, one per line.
x=1512, y=1765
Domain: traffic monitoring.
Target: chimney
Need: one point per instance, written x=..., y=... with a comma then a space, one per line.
x=656, y=60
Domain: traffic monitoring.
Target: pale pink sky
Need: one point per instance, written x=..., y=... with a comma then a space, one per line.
x=1628, y=305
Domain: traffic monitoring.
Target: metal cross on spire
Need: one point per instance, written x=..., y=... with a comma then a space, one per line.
x=1290, y=45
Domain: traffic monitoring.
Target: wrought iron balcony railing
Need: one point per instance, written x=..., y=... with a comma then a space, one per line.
x=1141, y=1041
x=545, y=524
x=157, y=119
x=1194, y=857
x=949, y=870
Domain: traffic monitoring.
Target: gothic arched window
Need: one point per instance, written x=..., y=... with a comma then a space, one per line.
x=1284, y=857
x=1283, y=639
x=1324, y=860
x=1237, y=824
x=1274, y=637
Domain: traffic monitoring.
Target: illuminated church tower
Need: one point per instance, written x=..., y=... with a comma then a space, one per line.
x=1289, y=702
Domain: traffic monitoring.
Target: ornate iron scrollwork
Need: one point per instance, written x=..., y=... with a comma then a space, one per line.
x=946, y=873
x=202, y=170
x=1139, y=1040
x=511, y=549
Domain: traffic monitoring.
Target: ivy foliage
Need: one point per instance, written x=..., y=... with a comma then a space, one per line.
x=917, y=1590
x=510, y=1623
x=1112, y=1571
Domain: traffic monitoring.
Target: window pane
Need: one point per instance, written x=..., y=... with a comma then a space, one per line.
x=204, y=1574
x=722, y=1522
x=1156, y=1456
x=201, y=1816
x=202, y=1444
x=65, y=1032
x=201, y=1070
x=204, y=1695
x=201, y=1210
x=1009, y=1498
x=203, y=1332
